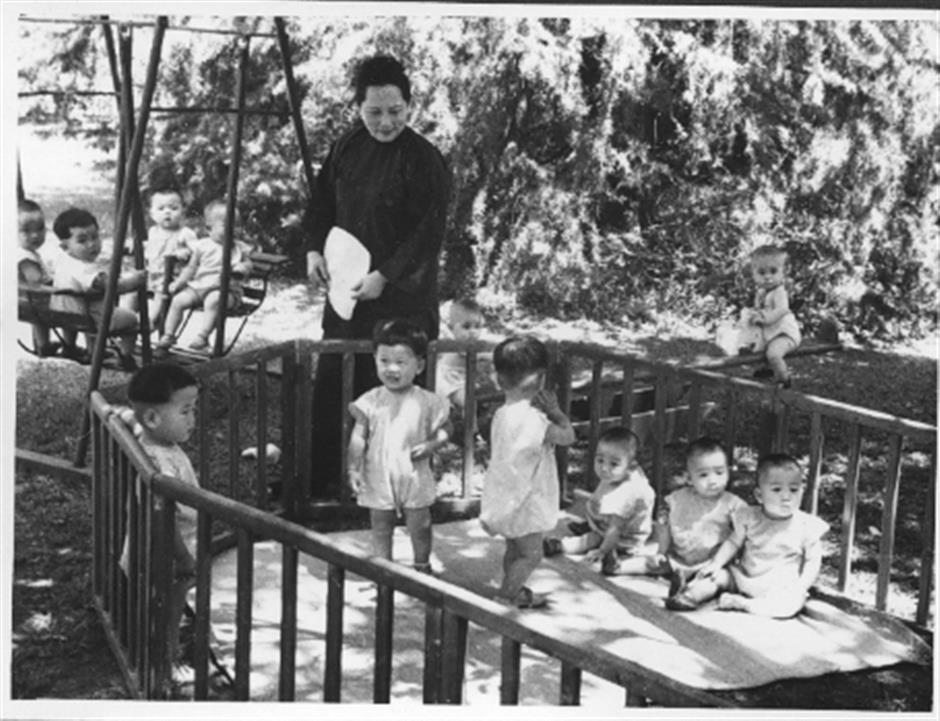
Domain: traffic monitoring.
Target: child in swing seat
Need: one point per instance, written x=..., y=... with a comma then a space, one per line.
x=80, y=269
x=167, y=238
x=520, y=490
x=774, y=553
x=695, y=520
x=31, y=267
x=200, y=280
x=398, y=426
x=779, y=332
x=619, y=512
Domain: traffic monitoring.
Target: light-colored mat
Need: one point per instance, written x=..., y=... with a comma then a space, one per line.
x=625, y=616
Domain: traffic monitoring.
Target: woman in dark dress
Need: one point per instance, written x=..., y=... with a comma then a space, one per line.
x=387, y=186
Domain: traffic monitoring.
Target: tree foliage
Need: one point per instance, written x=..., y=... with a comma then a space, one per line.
x=603, y=168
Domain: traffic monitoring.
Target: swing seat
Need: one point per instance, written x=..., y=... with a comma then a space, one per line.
x=33, y=307
x=254, y=289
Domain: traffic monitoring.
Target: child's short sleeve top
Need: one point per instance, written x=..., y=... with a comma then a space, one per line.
x=173, y=461
x=697, y=525
x=76, y=275
x=772, y=549
x=394, y=424
x=162, y=243
x=27, y=256
x=631, y=500
x=208, y=258
x=520, y=488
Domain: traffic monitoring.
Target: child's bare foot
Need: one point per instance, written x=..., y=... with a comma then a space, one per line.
x=732, y=602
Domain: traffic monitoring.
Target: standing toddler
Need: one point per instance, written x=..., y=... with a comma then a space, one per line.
x=775, y=549
x=398, y=426
x=619, y=512
x=520, y=490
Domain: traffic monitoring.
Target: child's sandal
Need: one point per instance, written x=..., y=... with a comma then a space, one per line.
x=527, y=598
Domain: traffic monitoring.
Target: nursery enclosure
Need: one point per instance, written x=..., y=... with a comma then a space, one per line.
x=610, y=171
x=239, y=394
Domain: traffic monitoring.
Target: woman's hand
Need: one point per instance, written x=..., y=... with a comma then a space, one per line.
x=370, y=287
x=316, y=270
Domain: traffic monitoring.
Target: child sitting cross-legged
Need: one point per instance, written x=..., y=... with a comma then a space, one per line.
x=774, y=553
x=398, y=426
x=619, y=512
x=200, y=280
x=520, y=490
x=696, y=519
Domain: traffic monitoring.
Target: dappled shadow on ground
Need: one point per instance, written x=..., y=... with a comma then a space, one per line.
x=620, y=616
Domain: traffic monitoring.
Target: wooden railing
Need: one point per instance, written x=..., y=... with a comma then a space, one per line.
x=672, y=404
x=752, y=418
x=135, y=613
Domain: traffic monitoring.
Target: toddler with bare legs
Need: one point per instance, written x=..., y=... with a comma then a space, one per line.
x=774, y=553
x=520, y=490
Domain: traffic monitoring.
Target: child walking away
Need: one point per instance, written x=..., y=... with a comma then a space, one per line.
x=30, y=266
x=619, y=512
x=167, y=238
x=200, y=280
x=163, y=398
x=520, y=490
x=79, y=270
x=398, y=426
x=779, y=331
x=695, y=520
x=780, y=549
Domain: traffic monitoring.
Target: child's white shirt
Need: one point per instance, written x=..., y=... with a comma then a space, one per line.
x=520, y=488
x=632, y=500
x=76, y=275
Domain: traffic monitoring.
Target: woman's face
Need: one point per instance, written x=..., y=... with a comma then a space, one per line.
x=384, y=112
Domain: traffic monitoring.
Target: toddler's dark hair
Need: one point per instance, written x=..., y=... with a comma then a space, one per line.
x=517, y=357
x=401, y=332
x=777, y=460
x=155, y=384
x=25, y=205
x=623, y=437
x=378, y=71
x=72, y=218
x=166, y=188
x=703, y=445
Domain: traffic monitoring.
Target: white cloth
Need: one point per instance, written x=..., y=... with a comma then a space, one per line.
x=771, y=303
x=347, y=261
x=394, y=424
x=520, y=488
